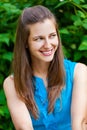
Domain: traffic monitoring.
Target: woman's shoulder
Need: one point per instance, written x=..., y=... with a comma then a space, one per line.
x=8, y=86
x=79, y=96
x=8, y=81
x=81, y=71
x=75, y=69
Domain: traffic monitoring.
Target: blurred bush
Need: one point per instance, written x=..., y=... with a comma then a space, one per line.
x=72, y=20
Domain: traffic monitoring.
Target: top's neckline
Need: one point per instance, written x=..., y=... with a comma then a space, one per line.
x=37, y=77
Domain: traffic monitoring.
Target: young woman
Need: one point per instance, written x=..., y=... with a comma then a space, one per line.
x=46, y=91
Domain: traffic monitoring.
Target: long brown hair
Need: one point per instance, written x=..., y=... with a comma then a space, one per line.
x=22, y=61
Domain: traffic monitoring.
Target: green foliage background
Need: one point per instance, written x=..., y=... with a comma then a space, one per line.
x=72, y=19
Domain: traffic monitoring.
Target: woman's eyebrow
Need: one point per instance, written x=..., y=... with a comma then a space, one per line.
x=36, y=36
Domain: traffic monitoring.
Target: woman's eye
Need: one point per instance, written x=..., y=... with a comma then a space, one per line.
x=53, y=35
x=38, y=39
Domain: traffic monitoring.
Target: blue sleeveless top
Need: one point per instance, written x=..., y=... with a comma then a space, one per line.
x=60, y=118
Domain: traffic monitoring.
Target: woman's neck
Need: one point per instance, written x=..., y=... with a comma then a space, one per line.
x=40, y=69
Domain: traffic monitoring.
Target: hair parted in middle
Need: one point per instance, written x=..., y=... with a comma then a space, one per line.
x=22, y=68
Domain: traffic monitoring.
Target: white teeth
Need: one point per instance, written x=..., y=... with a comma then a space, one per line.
x=47, y=53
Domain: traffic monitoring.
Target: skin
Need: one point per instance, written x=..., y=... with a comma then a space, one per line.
x=42, y=44
x=79, y=98
x=18, y=110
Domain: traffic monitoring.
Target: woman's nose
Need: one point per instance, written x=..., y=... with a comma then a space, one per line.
x=47, y=43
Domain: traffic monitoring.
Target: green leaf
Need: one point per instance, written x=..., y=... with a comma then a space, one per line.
x=82, y=1
x=75, y=17
x=84, y=23
x=1, y=112
x=78, y=22
x=77, y=1
x=5, y=37
x=66, y=53
x=1, y=127
x=64, y=31
x=83, y=45
x=85, y=54
x=4, y=110
x=73, y=46
x=7, y=56
x=50, y=2
x=62, y=3
x=77, y=55
x=81, y=14
x=2, y=97
x=10, y=8
x=84, y=6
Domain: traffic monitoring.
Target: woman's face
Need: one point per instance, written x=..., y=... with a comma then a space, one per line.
x=42, y=41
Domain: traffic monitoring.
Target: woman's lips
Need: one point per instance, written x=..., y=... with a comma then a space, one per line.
x=47, y=53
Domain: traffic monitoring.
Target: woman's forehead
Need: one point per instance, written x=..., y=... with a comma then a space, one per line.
x=39, y=28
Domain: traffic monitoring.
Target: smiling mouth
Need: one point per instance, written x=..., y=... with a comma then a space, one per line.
x=47, y=53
